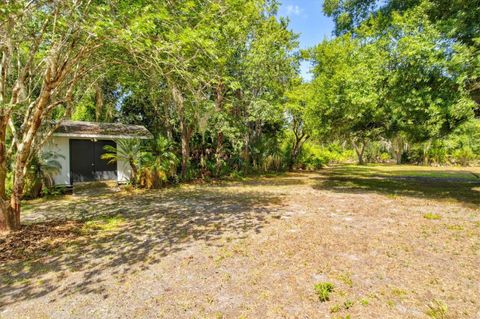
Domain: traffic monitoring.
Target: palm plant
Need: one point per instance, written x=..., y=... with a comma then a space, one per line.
x=159, y=164
x=127, y=150
x=41, y=171
x=162, y=150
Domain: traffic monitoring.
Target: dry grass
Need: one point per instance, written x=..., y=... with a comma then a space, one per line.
x=394, y=242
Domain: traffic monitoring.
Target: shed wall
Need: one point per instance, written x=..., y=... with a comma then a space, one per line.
x=61, y=146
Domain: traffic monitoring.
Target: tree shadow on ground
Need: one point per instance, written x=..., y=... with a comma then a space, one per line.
x=150, y=226
x=421, y=185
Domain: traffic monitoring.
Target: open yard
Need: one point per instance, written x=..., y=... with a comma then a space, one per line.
x=393, y=242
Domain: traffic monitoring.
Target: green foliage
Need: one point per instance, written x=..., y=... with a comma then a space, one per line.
x=40, y=173
x=348, y=304
x=314, y=156
x=346, y=89
x=461, y=147
x=394, y=75
x=364, y=302
x=323, y=291
x=376, y=151
x=128, y=151
x=103, y=224
x=158, y=164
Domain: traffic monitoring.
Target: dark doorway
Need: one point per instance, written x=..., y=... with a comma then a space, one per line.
x=86, y=164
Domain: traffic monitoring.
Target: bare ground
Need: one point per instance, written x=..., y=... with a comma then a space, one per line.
x=394, y=242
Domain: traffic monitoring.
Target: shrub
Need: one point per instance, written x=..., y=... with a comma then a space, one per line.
x=464, y=156
x=39, y=178
x=385, y=157
x=314, y=156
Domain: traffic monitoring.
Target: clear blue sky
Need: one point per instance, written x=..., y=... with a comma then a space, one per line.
x=307, y=19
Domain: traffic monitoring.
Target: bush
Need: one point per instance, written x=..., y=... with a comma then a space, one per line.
x=464, y=156
x=314, y=157
x=385, y=157
x=461, y=147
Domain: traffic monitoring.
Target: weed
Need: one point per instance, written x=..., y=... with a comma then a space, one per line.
x=454, y=227
x=364, y=302
x=437, y=310
x=398, y=292
x=346, y=279
x=335, y=308
x=348, y=304
x=323, y=290
x=432, y=216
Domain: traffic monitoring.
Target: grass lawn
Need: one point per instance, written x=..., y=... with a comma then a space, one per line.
x=361, y=241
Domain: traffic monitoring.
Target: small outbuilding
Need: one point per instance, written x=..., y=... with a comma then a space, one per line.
x=80, y=145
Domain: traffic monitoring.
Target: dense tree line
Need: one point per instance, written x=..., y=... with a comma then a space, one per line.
x=402, y=72
x=217, y=83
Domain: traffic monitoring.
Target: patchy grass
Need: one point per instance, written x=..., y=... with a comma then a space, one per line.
x=451, y=184
x=432, y=216
x=346, y=279
x=455, y=227
x=437, y=310
x=104, y=224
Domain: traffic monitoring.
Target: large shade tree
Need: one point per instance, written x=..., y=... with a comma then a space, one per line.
x=46, y=49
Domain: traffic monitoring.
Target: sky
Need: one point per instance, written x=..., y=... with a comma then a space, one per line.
x=307, y=19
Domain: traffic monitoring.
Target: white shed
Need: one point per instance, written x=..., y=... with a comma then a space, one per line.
x=79, y=146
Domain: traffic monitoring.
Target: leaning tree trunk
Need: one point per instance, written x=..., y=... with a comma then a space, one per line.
x=296, y=149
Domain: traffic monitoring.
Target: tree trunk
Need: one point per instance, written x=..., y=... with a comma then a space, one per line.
x=99, y=102
x=246, y=151
x=219, y=148
x=134, y=175
x=398, y=146
x=9, y=210
x=185, y=148
x=359, y=149
x=219, y=153
x=10, y=220
x=297, y=147
x=6, y=217
x=185, y=130
x=398, y=157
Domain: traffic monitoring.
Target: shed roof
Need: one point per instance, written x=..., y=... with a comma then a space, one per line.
x=101, y=130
